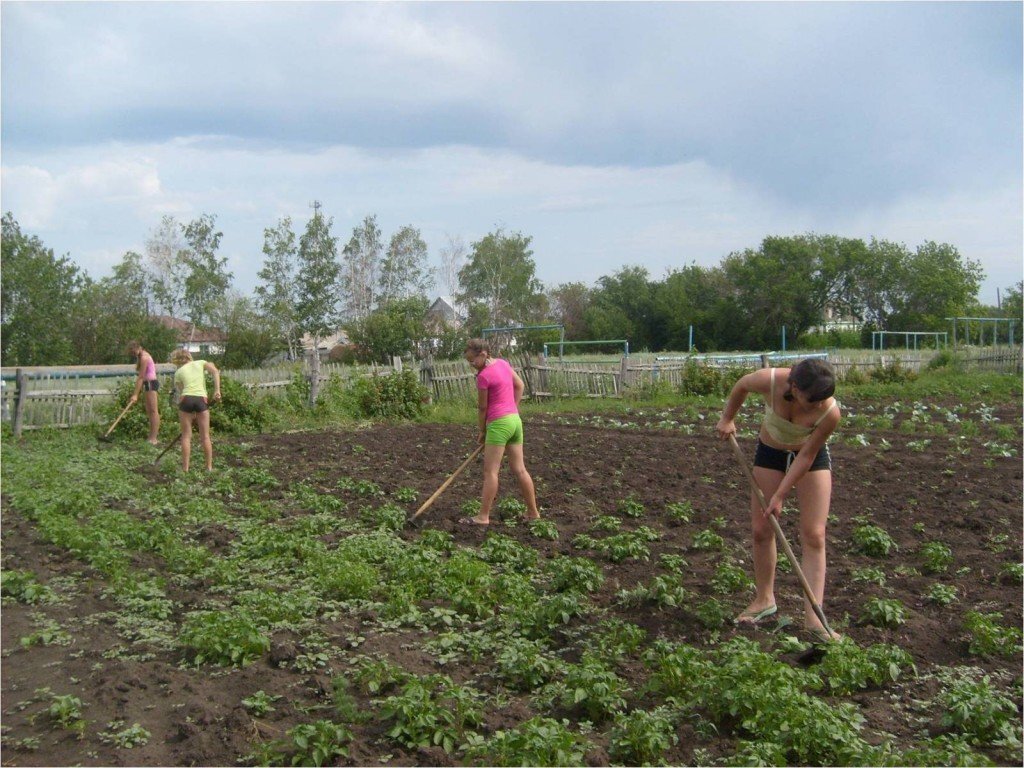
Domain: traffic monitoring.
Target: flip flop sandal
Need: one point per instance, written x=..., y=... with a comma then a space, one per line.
x=471, y=522
x=755, y=618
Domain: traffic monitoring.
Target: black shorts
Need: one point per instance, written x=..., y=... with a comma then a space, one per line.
x=193, y=404
x=773, y=458
x=151, y=386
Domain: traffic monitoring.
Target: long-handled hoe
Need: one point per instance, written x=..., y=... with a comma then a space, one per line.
x=105, y=437
x=163, y=453
x=426, y=505
x=785, y=544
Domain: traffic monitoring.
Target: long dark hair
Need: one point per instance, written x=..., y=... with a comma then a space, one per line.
x=814, y=377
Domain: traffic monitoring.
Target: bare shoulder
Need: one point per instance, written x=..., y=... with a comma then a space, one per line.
x=760, y=380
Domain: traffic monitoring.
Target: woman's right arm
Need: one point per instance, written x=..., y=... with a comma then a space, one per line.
x=140, y=370
x=759, y=381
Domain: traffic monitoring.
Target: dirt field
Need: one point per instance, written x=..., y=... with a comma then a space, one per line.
x=584, y=467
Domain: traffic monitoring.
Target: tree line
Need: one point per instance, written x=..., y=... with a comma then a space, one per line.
x=377, y=288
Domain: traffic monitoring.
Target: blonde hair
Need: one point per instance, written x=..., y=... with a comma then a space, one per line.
x=476, y=346
x=180, y=356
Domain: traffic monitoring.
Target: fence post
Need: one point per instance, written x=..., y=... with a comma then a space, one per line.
x=624, y=381
x=396, y=363
x=20, y=396
x=427, y=377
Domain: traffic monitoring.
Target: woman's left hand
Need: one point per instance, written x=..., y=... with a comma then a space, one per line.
x=216, y=395
x=774, y=506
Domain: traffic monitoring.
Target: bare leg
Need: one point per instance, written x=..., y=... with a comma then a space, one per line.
x=203, y=422
x=518, y=467
x=153, y=411
x=814, y=492
x=492, y=463
x=185, y=420
x=765, y=555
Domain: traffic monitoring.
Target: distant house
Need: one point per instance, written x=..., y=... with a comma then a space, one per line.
x=327, y=343
x=443, y=312
x=835, y=320
x=198, y=341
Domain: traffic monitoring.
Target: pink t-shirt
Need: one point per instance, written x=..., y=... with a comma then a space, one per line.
x=497, y=379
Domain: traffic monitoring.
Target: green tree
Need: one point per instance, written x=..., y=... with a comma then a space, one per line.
x=276, y=294
x=207, y=279
x=1012, y=306
x=249, y=338
x=167, y=266
x=500, y=277
x=938, y=283
x=404, y=272
x=622, y=307
x=38, y=297
x=109, y=313
x=569, y=303
x=701, y=297
x=316, y=308
x=361, y=258
x=395, y=329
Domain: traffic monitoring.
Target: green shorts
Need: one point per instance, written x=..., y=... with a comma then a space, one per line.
x=505, y=430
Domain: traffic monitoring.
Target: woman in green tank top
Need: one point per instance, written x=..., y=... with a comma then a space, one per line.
x=800, y=415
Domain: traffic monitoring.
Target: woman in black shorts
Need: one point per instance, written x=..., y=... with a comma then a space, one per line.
x=800, y=415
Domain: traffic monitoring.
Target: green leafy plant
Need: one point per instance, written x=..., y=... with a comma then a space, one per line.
x=849, y=668
x=631, y=507
x=574, y=574
x=941, y=594
x=540, y=741
x=972, y=706
x=405, y=495
x=679, y=512
x=884, y=612
x=870, y=574
x=642, y=738
x=315, y=743
x=260, y=703
x=708, y=540
x=397, y=395
x=66, y=711
x=127, y=738
x=23, y=587
x=872, y=541
x=543, y=529
x=431, y=712
x=729, y=578
x=226, y=638
x=936, y=557
x=988, y=636
x=590, y=688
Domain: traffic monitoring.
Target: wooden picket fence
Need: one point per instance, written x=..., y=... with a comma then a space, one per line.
x=49, y=397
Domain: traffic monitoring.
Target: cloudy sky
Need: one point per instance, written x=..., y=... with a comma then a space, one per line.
x=614, y=134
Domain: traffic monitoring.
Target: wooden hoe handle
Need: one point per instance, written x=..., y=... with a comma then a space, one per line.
x=120, y=416
x=780, y=535
x=446, y=483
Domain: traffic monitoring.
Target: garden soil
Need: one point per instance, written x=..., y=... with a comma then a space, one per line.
x=583, y=466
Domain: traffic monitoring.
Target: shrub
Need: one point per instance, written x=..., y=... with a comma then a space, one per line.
x=937, y=557
x=990, y=638
x=539, y=741
x=971, y=705
x=848, y=668
x=238, y=412
x=224, y=638
x=23, y=587
x=893, y=373
x=642, y=738
x=873, y=541
x=884, y=612
x=397, y=395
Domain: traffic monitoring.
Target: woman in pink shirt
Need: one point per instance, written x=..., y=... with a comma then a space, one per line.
x=146, y=381
x=499, y=390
